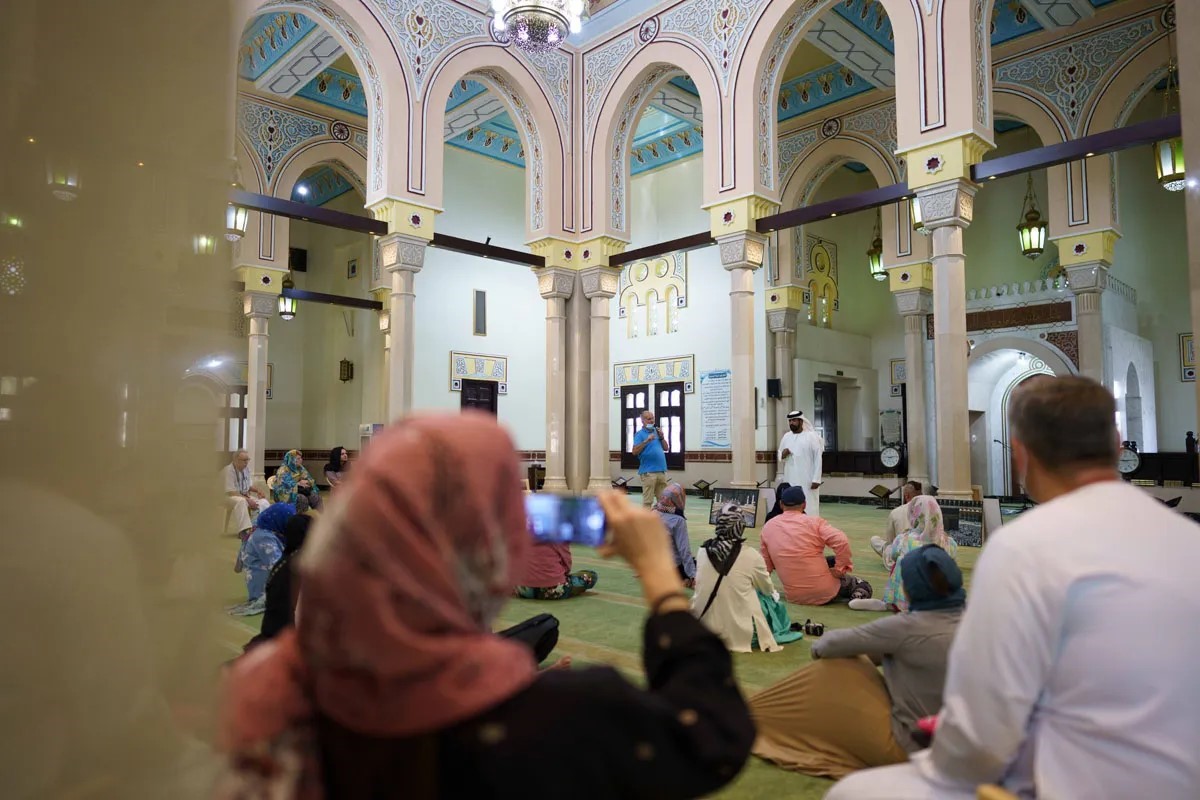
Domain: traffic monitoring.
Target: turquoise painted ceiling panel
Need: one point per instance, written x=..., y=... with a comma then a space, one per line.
x=320, y=186
x=464, y=91
x=267, y=39
x=496, y=138
x=339, y=89
x=1010, y=21
x=869, y=17
x=818, y=88
x=647, y=154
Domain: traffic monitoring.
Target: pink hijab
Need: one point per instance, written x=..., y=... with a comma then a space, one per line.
x=401, y=583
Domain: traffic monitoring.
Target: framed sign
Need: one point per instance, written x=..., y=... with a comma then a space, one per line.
x=745, y=499
x=1187, y=357
x=899, y=371
x=352, y=269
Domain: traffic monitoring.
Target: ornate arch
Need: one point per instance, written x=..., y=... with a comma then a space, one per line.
x=348, y=162
x=532, y=110
x=1053, y=357
x=619, y=106
x=384, y=80
x=773, y=38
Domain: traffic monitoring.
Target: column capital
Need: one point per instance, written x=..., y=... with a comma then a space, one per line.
x=259, y=305
x=600, y=281
x=597, y=252
x=403, y=216
x=1087, y=278
x=1087, y=248
x=556, y=252
x=783, y=320
x=402, y=252
x=742, y=249
x=740, y=214
x=555, y=282
x=951, y=203
x=914, y=302
x=950, y=159
x=910, y=277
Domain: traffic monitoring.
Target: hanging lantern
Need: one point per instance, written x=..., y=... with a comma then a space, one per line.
x=1032, y=229
x=203, y=244
x=345, y=370
x=914, y=204
x=63, y=180
x=1168, y=153
x=237, y=218
x=875, y=254
x=287, y=305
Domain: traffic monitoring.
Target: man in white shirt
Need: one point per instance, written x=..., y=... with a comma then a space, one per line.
x=1073, y=673
x=800, y=453
x=898, y=522
x=240, y=495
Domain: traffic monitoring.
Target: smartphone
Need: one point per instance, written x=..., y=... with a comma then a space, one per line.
x=565, y=519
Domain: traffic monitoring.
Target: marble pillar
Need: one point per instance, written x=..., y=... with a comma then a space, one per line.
x=1187, y=30
x=556, y=285
x=782, y=324
x=599, y=286
x=579, y=359
x=741, y=254
x=947, y=209
x=402, y=257
x=258, y=307
x=913, y=306
x=1087, y=282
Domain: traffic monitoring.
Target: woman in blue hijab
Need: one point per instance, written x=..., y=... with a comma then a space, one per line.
x=839, y=714
x=259, y=553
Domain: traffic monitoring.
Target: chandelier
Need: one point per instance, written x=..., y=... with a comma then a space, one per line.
x=536, y=26
x=875, y=254
x=1168, y=153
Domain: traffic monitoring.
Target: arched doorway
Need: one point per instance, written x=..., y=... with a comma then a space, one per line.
x=1133, y=407
x=991, y=379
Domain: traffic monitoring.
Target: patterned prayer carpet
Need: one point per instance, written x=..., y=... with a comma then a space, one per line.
x=605, y=627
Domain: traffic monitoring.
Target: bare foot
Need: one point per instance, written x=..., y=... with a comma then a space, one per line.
x=562, y=663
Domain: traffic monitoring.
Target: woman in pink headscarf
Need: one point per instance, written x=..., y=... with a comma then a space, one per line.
x=393, y=684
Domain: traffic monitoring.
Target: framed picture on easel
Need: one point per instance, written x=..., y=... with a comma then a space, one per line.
x=745, y=499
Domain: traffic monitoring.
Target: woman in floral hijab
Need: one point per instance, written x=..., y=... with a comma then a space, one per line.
x=293, y=478
x=924, y=527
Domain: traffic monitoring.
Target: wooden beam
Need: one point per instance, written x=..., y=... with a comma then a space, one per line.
x=332, y=299
x=872, y=198
x=1143, y=133
x=682, y=244
x=485, y=250
x=321, y=216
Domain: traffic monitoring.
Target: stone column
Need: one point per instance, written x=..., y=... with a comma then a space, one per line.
x=914, y=305
x=947, y=210
x=1187, y=29
x=258, y=307
x=556, y=286
x=579, y=378
x=402, y=257
x=1086, y=259
x=599, y=286
x=742, y=254
x=782, y=324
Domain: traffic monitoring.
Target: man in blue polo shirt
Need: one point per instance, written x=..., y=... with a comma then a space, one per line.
x=650, y=446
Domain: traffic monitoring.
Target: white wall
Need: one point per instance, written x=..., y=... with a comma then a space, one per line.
x=483, y=197
x=1125, y=349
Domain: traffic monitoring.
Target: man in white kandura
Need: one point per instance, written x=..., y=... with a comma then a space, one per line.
x=240, y=496
x=1073, y=671
x=800, y=453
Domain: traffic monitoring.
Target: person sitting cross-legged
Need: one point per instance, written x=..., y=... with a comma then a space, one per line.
x=898, y=522
x=793, y=545
x=670, y=508
x=838, y=714
x=258, y=554
x=545, y=574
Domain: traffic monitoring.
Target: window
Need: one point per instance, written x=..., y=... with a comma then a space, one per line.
x=234, y=421
x=479, y=313
x=666, y=400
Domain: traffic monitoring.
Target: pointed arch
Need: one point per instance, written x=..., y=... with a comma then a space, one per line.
x=345, y=160
x=548, y=198
x=606, y=171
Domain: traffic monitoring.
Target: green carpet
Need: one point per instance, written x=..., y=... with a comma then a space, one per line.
x=605, y=627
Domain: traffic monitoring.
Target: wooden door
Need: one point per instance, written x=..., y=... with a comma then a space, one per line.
x=669, y=409
x=825, y=421
x=480, y=395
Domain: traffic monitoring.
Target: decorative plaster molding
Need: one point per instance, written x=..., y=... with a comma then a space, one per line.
x=398, y=251
x=717, y=24
x=554, y=67
x=677, y=368
x=478, y=367
x=1069, y=75
x=599, y=69
x=835, y=36
x=618, y=163
x=914, y=302
x=1087, y=279
x=425, y=29
x=259, y=304
x=742, y=250
x=535, y=154
x=304, y=61
x=272, y=132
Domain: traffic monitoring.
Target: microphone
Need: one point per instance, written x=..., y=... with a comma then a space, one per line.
x=1002, y=444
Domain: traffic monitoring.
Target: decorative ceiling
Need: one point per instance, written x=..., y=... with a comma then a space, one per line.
x=849, y=51
x=320, y=185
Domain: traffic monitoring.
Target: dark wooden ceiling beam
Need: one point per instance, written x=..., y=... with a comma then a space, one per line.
x=682, y=244
x=1113, y=141
x=306, y=213
x=872, y=198
x=332, y=299
x=488, y=251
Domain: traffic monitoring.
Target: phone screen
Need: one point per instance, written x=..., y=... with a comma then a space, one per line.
x=565, y=519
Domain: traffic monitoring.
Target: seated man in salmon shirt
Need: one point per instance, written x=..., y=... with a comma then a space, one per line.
x=793, y=545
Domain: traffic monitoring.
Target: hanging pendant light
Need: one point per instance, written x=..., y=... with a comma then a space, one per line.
x=237, y=218
x=875, y=254
x=1168, y=153
x=914, y=205
x=287, y=305
x=1032, y=228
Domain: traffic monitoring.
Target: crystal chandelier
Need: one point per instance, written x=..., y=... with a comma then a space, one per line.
x=536, y=26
